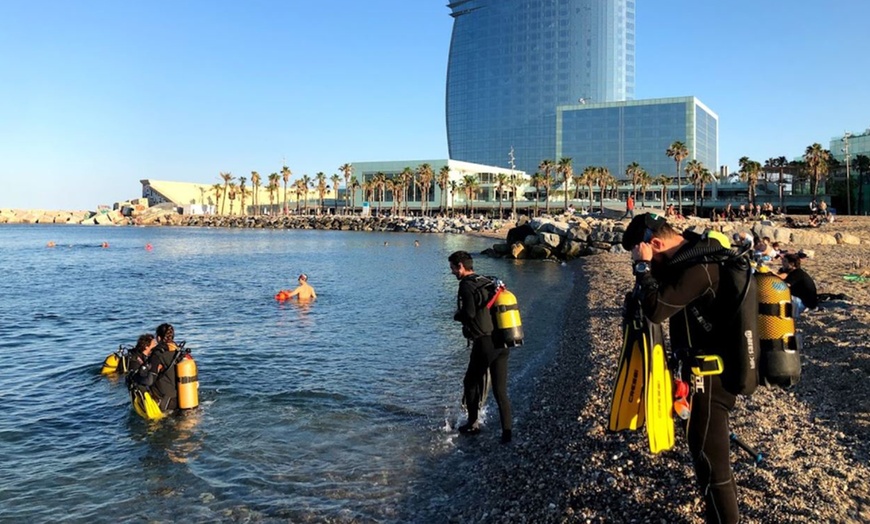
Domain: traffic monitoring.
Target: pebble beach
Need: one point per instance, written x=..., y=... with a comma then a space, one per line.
x=563, y=465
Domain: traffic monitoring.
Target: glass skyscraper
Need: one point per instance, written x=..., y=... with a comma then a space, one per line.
x=513, y=62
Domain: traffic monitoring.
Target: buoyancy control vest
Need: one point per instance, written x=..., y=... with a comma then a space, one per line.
x=768, y=351
x=735, y=326
x=504, y=310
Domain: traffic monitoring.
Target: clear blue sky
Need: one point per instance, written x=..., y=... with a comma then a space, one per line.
x=96, y=95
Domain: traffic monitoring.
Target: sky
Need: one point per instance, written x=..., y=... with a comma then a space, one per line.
x=97, y=95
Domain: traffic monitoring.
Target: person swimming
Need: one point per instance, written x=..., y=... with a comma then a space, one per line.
x=304, y=291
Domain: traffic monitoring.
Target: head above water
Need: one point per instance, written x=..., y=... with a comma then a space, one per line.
x=144, y=343
x=303, y=278
x=165, y=333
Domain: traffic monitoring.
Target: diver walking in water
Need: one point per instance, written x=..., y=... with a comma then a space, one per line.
x=477, y=326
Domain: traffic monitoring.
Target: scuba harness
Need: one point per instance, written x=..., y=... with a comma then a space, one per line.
x=491, y=293
x=761, y=341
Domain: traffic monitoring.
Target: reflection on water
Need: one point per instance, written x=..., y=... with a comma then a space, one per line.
x=319, y=410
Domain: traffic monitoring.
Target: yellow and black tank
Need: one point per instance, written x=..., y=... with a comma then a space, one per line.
x=780, y=346
x=506, y=313
x=116, y=362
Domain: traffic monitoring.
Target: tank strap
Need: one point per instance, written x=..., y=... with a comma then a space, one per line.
x=787, y=343
x=512, y=307
x=188, y=380
x=780, y=309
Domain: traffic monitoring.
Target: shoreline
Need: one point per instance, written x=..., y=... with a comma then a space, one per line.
x=565, y=467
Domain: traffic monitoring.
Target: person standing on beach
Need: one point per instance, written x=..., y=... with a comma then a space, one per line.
x=477, y=327
x=304, y=291
x=629, y=207
x=693, y=293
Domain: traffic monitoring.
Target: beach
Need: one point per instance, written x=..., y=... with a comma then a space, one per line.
x=565, y=467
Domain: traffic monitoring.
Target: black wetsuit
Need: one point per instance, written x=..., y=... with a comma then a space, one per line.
x=477, y=326
x=701, y=311
x=165, y=387
x=803, y=287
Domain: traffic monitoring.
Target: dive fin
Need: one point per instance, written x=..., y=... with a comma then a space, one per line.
x=626, y=405
x=659, y=398
x=145, y=406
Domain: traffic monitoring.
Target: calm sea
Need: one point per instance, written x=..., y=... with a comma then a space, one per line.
x=337, y=411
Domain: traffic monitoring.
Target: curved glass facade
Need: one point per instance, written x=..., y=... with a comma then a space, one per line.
x=512, y=62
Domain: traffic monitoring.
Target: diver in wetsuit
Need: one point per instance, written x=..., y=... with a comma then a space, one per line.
x=477, y=326
x=162, y=364
x=700, y=301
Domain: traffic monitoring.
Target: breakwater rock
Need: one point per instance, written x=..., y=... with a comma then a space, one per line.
x=348, y=223
x=563, y=238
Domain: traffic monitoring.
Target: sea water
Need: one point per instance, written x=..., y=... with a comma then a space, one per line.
x=337, y=410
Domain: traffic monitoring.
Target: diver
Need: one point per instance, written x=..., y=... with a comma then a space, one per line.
x=696, y=296
x=477, y=326
x=163, y=360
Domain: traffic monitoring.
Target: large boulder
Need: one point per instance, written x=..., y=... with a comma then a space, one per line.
x=519, y=233
x=549, y=239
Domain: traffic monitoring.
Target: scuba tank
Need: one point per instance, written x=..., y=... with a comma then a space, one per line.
x=505, y=317
x=188, y=383
x=116, y=362
x=780, y=346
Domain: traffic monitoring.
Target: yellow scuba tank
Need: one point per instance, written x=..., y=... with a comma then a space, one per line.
x=116, y=362
x=780, y=357
x=188, y=383
x=506, y=314
x=110, y=365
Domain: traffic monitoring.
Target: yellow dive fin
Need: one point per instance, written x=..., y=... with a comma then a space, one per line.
x=626, y=405
x=145, y=405
x=659, y=398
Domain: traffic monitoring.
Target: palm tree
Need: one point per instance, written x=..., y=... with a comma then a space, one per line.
x=590, y=177
x=501, y=180
x=285, y=175
x=299, y=187
x=307, y=184
x=567, y=171
x=227, y=178
x=347, y=171
x=406, y=180
x=537, y=183
x=817, y=161
x=425, y=175
x=444, y=184
x=380, y=184
x=321, y=188
x=705, y=178
x=604, y=179
x=470, y=184
x=547, y=179
x=862, y=165
x=632, y=173
x=454, y=186
x=274, y=185
x=678, y=151
x=354, y=185
x=336, y=180
x=693, y=173
x=231, y=189
x=547, y=168
x=773, y=164
x=645, y=181
x=242, y=193
x=255, y=181
x=749, y=171
x=218, y=190
x=515, y=180
x=664, y=180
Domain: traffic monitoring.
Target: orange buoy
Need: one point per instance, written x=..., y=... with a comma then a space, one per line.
x=148, y=247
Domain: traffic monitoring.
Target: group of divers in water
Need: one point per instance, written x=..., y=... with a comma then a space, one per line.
x=161, y=374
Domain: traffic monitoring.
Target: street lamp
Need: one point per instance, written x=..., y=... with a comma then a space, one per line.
x=845, y=150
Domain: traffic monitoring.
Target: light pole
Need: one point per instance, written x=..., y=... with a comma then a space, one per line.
x=513, y=184
x=845, y=150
